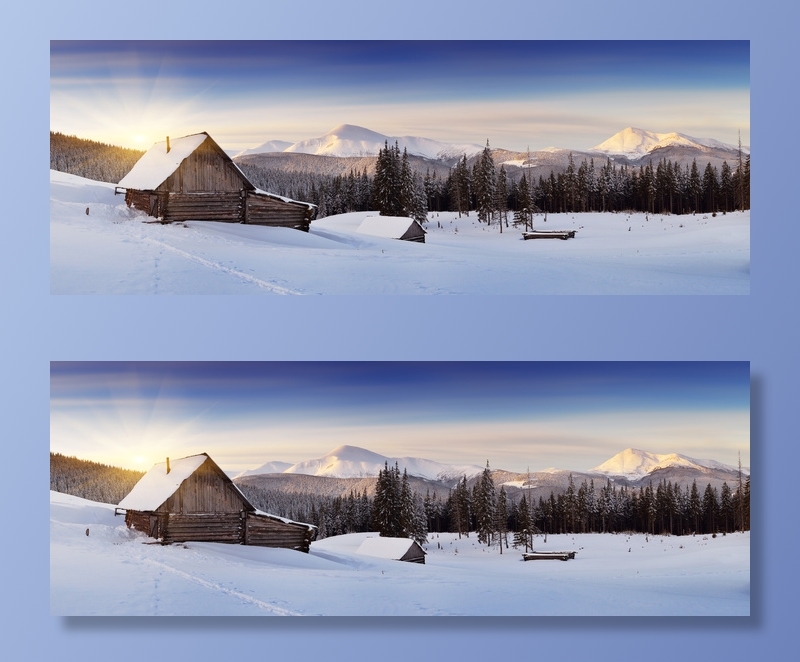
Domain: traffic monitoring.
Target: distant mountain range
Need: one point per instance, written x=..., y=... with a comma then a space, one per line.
x=350, y=464
x=348, y=140
x=348, y=146
x=355, y=462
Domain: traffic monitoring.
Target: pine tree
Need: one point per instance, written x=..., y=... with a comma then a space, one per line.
x=501, y=197
x=485, y=185
x=524, y=532
x=485, y=506
x=523, y=213
x=501, y=518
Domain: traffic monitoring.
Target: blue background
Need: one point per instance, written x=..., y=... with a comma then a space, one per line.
x=761, y=328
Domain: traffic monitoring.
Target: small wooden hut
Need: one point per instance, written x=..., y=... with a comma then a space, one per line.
x=393, y=227
x=395, y=549
x=192, y=178
x=193, y=499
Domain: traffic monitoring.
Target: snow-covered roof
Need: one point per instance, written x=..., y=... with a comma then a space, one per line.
x=157, y=164
x=385, y=548
x=391, y=227
x=156, y=486
x=279, y=197
x=285, y=520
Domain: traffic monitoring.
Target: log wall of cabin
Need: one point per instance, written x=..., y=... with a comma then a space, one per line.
x=147, y=201
x=264, y=210
x=205, y=169
x=205, y=491
x=213, y=206
x=205, y=527
x=148, y=523
x=267, y=532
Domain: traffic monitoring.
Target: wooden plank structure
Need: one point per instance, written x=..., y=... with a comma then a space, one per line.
x=192, y=178
x=393, y=227
x=549, y=234
x=192, y=499
x=395, y=549
x=545, y=555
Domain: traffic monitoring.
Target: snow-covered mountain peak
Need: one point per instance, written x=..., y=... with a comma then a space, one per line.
x=354, y=462
x=353, y=132
x=343, y=140
x=633, y=463
x=635, y=143
x=347, y=140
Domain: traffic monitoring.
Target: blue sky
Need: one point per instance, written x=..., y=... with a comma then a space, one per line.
x=516, y=94
x=570, y=415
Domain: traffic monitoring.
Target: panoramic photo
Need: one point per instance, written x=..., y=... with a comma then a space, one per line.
x=400, y=167
x=400, y=488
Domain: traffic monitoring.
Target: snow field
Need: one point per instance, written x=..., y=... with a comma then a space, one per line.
x=114, y=571
x=112, y=250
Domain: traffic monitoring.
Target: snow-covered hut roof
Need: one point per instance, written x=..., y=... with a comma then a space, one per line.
x=391, y=227
x=387, y=548
x=282, y=198
x=157, y=163
x=156, y=486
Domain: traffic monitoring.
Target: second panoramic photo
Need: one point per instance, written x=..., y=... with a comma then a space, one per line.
x=400, y=167
x=400, y=489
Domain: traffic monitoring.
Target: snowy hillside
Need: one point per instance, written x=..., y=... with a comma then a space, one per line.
x=99, y=567
x=634, y=464
x=635, y=143
x=111, y=249
x=354, y=462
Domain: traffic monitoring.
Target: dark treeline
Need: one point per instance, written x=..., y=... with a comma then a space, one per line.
x=397, y=189
x=91, y=480
x=91, y=159
x=333, y=194
x=492, y=514
x=661, y=187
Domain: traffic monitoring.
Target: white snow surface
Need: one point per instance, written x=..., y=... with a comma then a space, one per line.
x=354, y=462
x=156, y=486
x=113, y=571
x=157, y=163
x=634, y=464
x=385, y=548
x=117, y=250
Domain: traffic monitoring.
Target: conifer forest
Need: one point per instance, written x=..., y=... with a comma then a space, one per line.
x=395, y=187
x=475, y=507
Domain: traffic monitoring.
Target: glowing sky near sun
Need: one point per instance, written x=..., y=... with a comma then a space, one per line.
x=516, y=94
x=569, y=415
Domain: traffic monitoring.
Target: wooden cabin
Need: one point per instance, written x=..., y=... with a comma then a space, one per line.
x=395, y=549
x=192, y=499
x=192, y=178
x=393, y=227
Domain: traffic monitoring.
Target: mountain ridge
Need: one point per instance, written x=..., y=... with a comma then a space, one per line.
x=350, y=140
x=347, y=461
